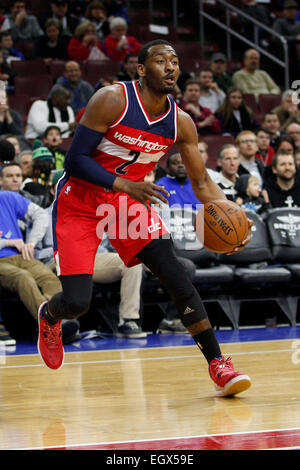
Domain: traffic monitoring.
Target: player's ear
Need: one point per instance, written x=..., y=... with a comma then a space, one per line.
x=141, y=70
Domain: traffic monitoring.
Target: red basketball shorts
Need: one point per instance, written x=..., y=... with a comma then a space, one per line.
x=82, y=212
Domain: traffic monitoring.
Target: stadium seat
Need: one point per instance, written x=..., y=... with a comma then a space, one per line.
x=256, y=277
x=250, y=101
x=215, y=143
x=19, y=103
x=39, y=87
x=26, y=68
x=94, y=70
x=268, y=102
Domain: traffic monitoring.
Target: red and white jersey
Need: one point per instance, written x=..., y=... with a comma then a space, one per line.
x=134, y=143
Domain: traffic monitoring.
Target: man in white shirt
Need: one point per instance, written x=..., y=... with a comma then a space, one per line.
x=229, y=162
x=211, y=96
x=56, y=110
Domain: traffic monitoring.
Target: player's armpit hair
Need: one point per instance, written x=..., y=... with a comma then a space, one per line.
x=79, y=163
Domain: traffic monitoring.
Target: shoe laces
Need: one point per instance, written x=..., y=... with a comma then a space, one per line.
x=221, y=364
x=52, y=335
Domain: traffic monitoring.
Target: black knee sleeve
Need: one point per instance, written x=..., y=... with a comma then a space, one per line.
x=159, y=256
x=75, y=298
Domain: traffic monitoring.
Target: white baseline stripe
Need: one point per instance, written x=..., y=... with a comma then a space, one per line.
x=168, y=438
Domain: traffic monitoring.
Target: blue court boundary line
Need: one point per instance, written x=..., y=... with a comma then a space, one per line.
x=90, y=342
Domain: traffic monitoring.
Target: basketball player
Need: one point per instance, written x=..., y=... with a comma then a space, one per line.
x=125, y=130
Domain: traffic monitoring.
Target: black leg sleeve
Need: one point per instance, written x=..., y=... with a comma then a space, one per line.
x=75, y=298
x=160, y=257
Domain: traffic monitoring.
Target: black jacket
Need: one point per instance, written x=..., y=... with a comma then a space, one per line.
x=283, y=198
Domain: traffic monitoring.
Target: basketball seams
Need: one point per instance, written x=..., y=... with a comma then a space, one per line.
x=215, y=233
x=232, y=224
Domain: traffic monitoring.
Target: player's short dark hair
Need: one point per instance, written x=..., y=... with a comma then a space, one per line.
x=143, y=54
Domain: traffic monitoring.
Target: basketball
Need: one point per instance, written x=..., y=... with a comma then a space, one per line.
x=221, y=226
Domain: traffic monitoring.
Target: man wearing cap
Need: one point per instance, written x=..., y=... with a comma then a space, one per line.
x=218, y=67
x=251, y=79
x=289, y=27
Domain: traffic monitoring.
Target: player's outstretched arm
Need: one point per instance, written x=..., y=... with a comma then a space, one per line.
x=204, y=188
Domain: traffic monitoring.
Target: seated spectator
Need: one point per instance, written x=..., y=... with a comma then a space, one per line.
x=9, y=53
x=234, y=115
x=284, y=189
x=287, y=111
x=293, y=130
x=270, y=121
x=250, y=196
x=251, y=79
x=96, y=13
x=11, y=121
x=11, y=180
x=286, y=147
x=30, y=279
x=203, y=150
x=286, y=144
x=211, y=96
x=52, y=140
x=205, y=121
x=13, y=139
x=85, y=45
x=80, y=90
x=22, y=26
x=177, y=183
x=56, y=110
x=288, y=27
x=59, y=11
x=228, y=161
x=42, y=165
x=218, y=64
x=51, y=46
x=128, y=69
x=24, y=159
x=265, y=152
x=117, y=44
x=246, y=143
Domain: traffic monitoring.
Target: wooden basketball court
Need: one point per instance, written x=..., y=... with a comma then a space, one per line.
x=150, y=396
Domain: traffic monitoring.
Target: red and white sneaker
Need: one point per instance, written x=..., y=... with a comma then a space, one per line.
x=227, y=381
x=50, y=344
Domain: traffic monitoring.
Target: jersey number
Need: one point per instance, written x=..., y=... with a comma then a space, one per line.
x=121, y=169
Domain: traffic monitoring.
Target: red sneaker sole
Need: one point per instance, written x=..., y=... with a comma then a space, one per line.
x=234, y=386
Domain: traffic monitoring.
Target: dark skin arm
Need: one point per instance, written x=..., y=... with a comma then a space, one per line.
x=102, y=110
x=204, y=188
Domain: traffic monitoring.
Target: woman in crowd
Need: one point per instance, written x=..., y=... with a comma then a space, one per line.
x=85, y=45
x=234, y=115
x=117, y=44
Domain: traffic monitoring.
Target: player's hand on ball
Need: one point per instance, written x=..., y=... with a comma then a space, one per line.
x=245, y=241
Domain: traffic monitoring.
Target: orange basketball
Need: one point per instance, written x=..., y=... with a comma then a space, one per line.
x=221, y=225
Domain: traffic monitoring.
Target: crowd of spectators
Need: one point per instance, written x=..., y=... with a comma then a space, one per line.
x=260, y=169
